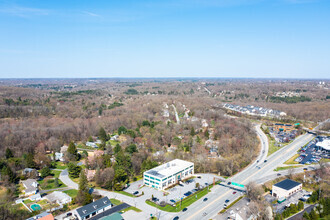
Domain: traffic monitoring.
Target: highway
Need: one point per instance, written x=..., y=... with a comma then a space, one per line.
x=220, y=193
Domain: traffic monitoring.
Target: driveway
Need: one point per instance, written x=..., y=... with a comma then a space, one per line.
x=64, y=177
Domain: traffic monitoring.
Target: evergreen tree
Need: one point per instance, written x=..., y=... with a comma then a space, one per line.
x=56, y=183
x=103, y=135
x=131, y=149
x=117, y=148
x=44, y=172
x=9, y=153
x=83, y=183
x=30, y=160
x=73, y=170
x=72, y=152
x=83, y=196
x=206, y=134
x=192, y=131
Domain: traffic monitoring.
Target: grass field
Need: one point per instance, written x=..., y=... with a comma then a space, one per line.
x=56, y=173
x=60, y=165
x=115, y=201
x=185, y=203
x=291, y=160
x=125, y=193
x=50, y=184
x=131, y=208
x=71, y=192
x=285, y=168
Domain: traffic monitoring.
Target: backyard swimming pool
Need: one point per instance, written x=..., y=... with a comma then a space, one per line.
x=35, y=207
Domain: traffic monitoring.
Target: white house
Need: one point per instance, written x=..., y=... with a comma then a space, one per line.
x=168, y=174
x=59, y=156
x=285, y=188
x=59, y=197
x=31, y=186
x=91, y=144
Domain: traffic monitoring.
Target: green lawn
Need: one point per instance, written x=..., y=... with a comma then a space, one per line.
x=185, y=203
x=55, y=173
x=291, y=160
x=115, y=201
x=71, y=192
x=27, y=201
x=231, y=204
x=113, y=143
x=285, y=168
x=50, y=184
x=131, y=208
x=60, y=165
x=125, y=193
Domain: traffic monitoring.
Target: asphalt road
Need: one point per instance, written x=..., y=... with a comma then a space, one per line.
x=219, y=194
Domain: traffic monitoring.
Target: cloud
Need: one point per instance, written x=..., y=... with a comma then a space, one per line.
x=23, y=11
x=91, y=14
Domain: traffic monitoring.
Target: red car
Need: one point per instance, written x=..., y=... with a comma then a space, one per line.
x=234, y=192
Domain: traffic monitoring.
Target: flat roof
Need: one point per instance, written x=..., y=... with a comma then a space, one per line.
x=169, y=168
x=287, y=184
x=94, y=206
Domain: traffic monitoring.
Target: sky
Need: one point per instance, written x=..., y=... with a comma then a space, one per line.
x=165, y=38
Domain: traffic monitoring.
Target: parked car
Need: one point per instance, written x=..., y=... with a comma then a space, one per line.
x=278, y=174
x=172, y=200
x=176, y=218
x=184, y=209
x=205, y=199
x=227, y=200
x=136, y=192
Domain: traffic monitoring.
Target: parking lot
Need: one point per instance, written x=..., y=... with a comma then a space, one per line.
x=173, y=194
x=312, y=153
x=279, y=207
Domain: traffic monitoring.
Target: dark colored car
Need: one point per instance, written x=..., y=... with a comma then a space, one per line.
x=227, y=201
x=176, y=218
x=205, y=199
x=234, y=192
x=69, y=214
x=172, y=200
x=184, y=209
x=305, y=168
x=199, y=177
x=136, y=192
x=265, y=161
x=257, y=161
x=229, y=183
x=278, y=174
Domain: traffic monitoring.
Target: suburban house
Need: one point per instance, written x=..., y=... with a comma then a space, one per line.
x=93, y=208
x=31, y=186
x=59, y=156
x=91, y=144
x=30, y=172
x=42, y=216
x=35, y=197
x=58, y=197
x=168, y=174
x=285, y=188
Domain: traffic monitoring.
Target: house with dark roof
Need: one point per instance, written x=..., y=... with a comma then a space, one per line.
x=94, y=208
x=286, y=188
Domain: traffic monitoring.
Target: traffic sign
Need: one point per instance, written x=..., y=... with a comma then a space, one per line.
x=237, y=184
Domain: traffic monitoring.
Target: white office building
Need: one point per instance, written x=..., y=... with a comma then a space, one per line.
x=168, y=174
x=285, y=188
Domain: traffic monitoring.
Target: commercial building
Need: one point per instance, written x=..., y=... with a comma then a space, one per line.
x=285, y=188
x=168, y=174
x=94, y=208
